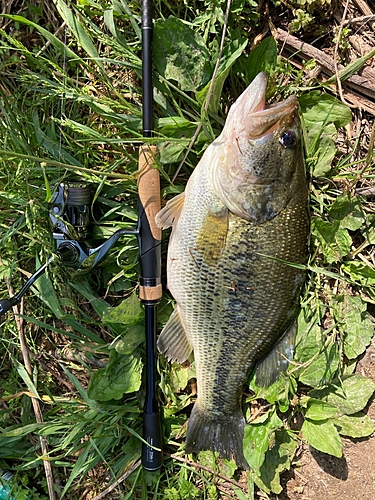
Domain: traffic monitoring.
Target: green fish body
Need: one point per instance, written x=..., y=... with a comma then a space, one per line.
x=241, y=219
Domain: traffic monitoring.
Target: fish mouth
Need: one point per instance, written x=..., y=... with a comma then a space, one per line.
x=267, y=119
x=258, y=118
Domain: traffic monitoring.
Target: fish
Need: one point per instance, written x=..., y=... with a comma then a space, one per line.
x=235, y=264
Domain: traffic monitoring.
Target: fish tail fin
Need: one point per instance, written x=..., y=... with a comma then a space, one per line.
x=217, y=433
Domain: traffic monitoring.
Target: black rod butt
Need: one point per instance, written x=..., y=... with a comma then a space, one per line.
x=152, y=454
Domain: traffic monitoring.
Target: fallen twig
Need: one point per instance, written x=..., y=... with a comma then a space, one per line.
x=361, y=90
x=365, y=9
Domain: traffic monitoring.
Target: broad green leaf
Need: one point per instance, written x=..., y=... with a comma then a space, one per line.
x=175, y=126
x=134, y=336
x=334, y=241
x=256, y=440
x=172, y=152
x=122, y=375
x=354, y=426
x=325, y=151
x=262, y=58
x=324, y=108
x=277, y=392
x=323, y=436
x=346, y=210
x=319, y=410
x=353, y=396
x=309, y=337
x=322, y=115
x=322, y=369
x=127, y=313
x=350, y=397
x=359, y=272
x=47, y=293
x=180, y=54
x=316, y=365
x=278, y=459
x=179, y=377
x=354, y=322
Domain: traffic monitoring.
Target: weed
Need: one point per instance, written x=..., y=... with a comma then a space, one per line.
x=73, y=110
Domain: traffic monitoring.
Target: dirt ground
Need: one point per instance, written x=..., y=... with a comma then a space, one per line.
x=317, y=476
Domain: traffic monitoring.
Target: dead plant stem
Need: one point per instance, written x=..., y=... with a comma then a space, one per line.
x=336, y=55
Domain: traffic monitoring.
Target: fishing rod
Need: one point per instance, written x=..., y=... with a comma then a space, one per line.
x=149, y=252
x=69, y=218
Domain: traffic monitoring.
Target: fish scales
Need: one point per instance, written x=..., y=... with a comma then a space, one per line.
x=236, y=295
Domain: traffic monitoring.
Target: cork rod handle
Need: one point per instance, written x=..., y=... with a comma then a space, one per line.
x=150, y=234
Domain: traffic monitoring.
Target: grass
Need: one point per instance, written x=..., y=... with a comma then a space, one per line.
x=71, y=108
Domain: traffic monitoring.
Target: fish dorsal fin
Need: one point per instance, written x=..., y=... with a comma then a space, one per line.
x=277, y=361
x=173, y=341
x=169, y=215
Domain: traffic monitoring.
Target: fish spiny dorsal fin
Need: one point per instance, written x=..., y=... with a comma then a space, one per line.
x=277, y=361
x=173, y=341
x=169, y=215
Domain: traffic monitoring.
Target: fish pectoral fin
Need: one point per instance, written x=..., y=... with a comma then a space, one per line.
x=169, y=215
x=277, y=361
x=173, y=341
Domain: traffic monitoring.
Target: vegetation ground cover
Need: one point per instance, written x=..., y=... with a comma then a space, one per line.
x=71, y=109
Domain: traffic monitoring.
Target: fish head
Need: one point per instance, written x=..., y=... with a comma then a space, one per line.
x=257, y=161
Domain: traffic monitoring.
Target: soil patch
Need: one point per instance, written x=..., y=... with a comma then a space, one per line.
x=318, y=475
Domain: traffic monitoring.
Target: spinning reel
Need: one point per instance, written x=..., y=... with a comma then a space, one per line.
x=69, y=214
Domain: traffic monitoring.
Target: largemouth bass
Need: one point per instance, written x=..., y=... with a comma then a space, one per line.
x=242, y=218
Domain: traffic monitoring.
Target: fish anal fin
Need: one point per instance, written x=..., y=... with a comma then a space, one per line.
x=221, y=433
x=170, y=214
x=173, y=341
x=277, y=361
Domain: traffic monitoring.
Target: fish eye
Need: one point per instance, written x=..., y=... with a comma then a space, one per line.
x=287, y=139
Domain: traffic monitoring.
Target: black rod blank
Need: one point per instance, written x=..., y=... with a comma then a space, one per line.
x=150, y=253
